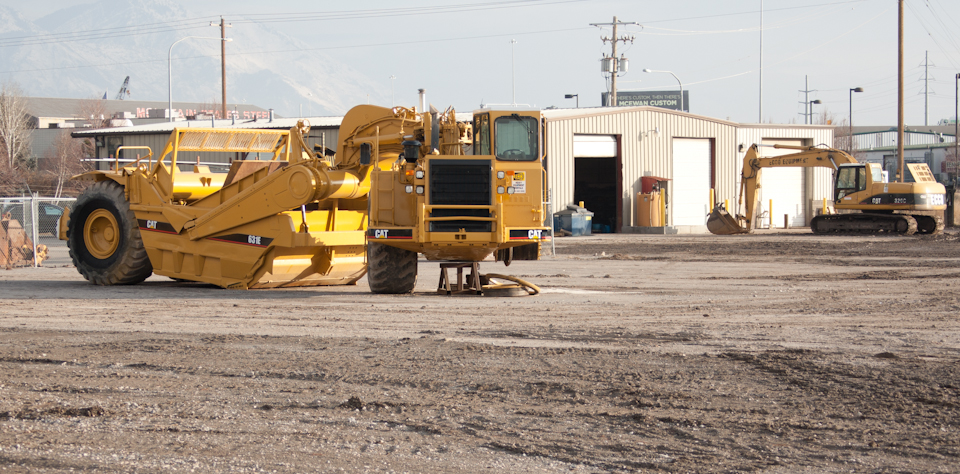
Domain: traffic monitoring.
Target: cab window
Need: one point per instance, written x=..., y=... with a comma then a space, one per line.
x=481, y=139
x=850, y=180
x=516, y=138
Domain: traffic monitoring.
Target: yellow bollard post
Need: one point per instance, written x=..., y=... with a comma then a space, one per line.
x=663, y=210
x=770, y=213
x=712, y=203
x=726, y=204
x=824, y=211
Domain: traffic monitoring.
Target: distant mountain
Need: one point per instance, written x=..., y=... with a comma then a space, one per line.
x=265, y=67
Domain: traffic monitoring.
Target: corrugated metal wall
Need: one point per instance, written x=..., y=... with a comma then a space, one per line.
x=866, y=141
x=645, y=152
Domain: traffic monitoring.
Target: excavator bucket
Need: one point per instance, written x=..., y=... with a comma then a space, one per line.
x=720, y=222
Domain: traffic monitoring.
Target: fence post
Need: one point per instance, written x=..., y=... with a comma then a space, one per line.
x=34, y=227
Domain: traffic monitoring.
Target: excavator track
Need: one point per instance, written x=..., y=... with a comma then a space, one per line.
x=864, y=223
x=930, y=224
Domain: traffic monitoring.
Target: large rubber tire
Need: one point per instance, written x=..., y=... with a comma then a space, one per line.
x=390, y=270
x=104, y=238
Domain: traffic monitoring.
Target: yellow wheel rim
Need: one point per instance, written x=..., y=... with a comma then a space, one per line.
x=101, y=234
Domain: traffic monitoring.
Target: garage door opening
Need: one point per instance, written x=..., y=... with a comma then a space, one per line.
x=597, y=179
x=595, y=185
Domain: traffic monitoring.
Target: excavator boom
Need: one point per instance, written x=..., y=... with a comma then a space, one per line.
x=721, y=222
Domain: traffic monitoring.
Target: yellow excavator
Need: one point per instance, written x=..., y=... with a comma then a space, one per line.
x=863, y=200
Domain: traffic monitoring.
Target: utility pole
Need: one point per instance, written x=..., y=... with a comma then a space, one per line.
x=900, y=89
x=807, y=104
x=761, y=62
x=223, y=65
x=926, y=87
x=612, y=98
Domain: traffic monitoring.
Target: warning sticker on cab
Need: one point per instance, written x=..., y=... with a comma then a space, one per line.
x=519, y=182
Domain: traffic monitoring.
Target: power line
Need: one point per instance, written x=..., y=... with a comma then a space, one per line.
x=190, y=23
x=295, y=50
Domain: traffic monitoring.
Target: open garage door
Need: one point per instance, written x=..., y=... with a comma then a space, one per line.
x=783, y=185
x=597, y=179
x=690, y=189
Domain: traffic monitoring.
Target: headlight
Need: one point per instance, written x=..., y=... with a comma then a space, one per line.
x=419, y=189
x=510, y=190
x=408, y=189
x=500, y=190
x=419, y=174
x=500, y=174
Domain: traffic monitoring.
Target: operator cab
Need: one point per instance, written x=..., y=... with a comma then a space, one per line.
x=855, y=177
x=515, y=135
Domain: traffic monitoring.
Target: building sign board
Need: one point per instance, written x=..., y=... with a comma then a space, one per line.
x=664, y=99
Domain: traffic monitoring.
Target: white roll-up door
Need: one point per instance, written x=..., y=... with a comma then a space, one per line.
x=783, y=185
x=690, y=187
x=594, y=146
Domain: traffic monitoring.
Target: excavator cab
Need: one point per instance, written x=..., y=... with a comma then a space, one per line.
x=850, y=179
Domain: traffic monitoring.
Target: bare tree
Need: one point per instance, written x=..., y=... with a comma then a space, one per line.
x=211, y=107
x=95, y=112
x=65, y=162
x=14, y=126
x=951, y=164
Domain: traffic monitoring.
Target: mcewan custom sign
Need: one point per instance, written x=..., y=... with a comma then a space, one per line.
x=665, y=99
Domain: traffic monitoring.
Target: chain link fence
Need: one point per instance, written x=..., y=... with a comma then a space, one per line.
x=29, y=229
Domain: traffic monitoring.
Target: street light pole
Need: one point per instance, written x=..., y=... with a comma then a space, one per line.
x=393, y=95
x=678, y=81
x=855, y=89
x=170, y=70
x=513, y=74
x=811, y=104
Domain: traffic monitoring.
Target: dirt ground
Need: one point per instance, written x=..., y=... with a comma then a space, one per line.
x=778, y=352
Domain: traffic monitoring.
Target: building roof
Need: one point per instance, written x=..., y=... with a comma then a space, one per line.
x=932, y=129
x=165, y=128
x=922, y=146
x=582, y=112
x=70, y=108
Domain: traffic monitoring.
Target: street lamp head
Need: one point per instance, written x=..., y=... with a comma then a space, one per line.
x=815, y=101
x=647, y=70
x=857, y=89
x=569, y=96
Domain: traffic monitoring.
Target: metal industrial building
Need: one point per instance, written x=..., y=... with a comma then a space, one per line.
x=323, y=132
x=599, y=155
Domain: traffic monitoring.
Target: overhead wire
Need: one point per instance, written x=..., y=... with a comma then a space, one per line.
x=752, y=29
x=190, y=23
x=393, y=12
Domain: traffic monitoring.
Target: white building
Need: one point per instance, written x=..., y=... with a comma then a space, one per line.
x=600, y=155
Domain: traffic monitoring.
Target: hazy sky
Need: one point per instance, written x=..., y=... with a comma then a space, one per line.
x=461, y=51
